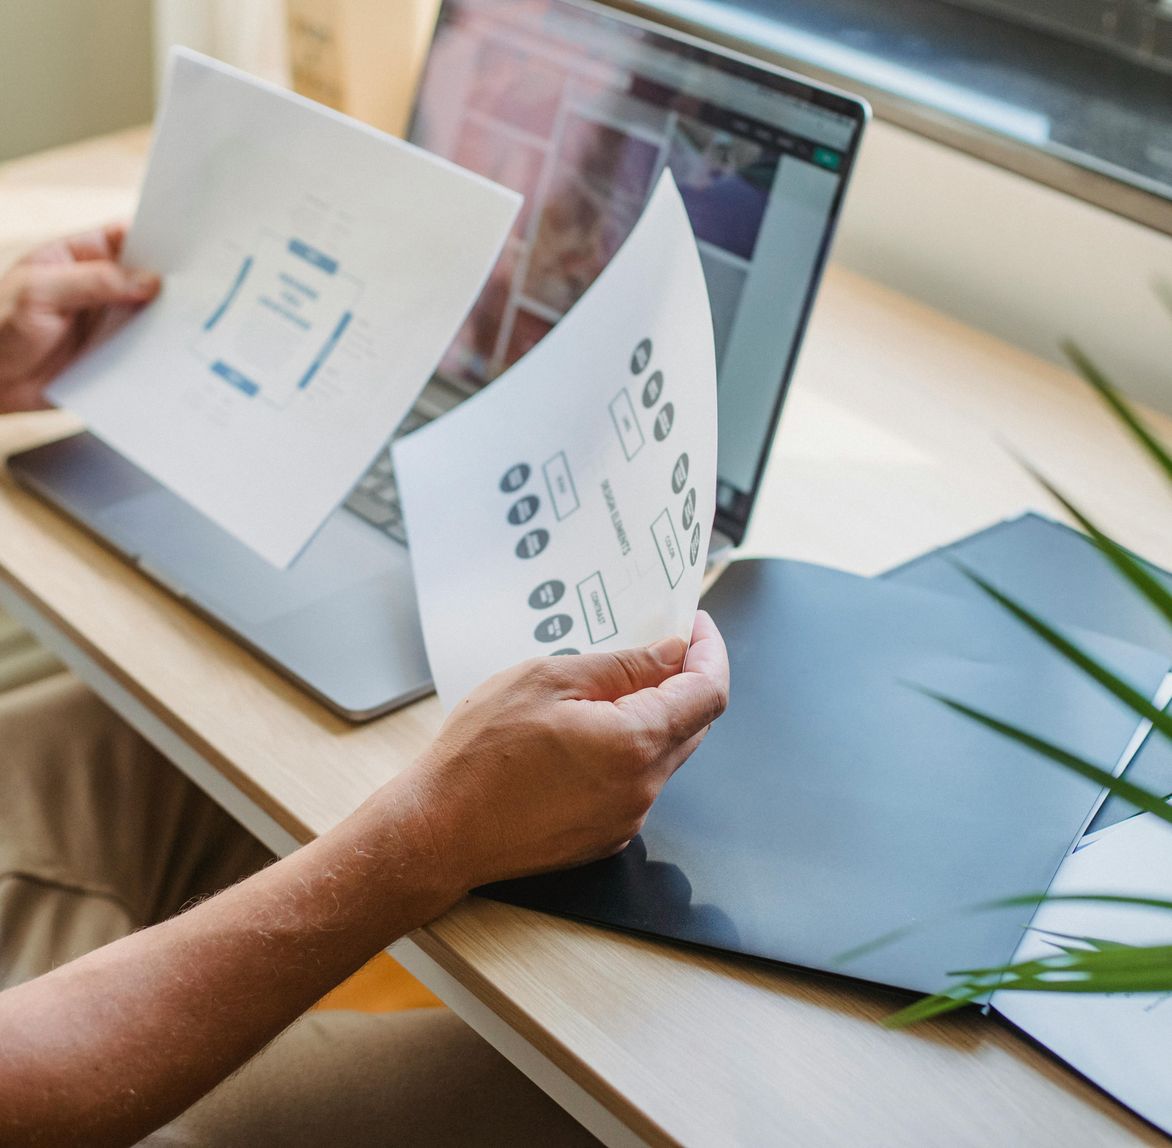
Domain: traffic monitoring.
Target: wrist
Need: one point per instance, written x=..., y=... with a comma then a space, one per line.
x=405, y=863
x=425, y=820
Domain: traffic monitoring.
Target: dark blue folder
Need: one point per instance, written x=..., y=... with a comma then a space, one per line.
x=836, y=802
x=1060, y=575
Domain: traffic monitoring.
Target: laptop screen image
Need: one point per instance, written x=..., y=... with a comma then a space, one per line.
x=579, y=109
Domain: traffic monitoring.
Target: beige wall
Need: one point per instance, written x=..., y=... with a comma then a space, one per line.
x=1029, y=264
x=70, y=69
x=249, y=34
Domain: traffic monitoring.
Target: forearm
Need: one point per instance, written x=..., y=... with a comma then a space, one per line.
x=116, y=1043
x=550, y=764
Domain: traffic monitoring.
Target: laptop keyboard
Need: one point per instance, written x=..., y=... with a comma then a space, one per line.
x=376, y=497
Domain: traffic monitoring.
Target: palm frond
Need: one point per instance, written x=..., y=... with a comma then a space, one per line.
x=1138, y=796
x=1035, y=899
x=1111, y=396
x=1020, y=900
x=935, y=1005
x=1110, y=968
x=1081, y=964
x=1131, y=568
x=1126, y=693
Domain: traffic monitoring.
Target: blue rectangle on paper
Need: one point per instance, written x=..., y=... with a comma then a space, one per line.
x=241, y=275
x=324, y=353
x=233, y=376
x=319, y=259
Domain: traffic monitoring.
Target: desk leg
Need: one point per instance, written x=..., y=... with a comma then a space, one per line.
x=583, y=1107
x=571, y=1096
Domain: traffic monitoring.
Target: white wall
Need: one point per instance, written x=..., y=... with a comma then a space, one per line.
x=1025, y=262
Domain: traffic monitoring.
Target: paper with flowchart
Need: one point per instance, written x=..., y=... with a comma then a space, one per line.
x=1121, y=1041
x=567, y=508
x=315, y=270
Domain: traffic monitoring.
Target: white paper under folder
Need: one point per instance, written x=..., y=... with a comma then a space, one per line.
x=1121, y=1041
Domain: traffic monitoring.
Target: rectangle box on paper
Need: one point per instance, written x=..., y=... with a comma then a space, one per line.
x=622, y=412
x=596, y=609
x=668, y=546
x=560, y=483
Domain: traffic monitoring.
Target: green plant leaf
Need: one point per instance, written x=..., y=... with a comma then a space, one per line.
x=1119, y=405
x=1113, y=968
x=1066, y=972
x=937, y=1004
x=1031, y=899
x=1132, y=568
x=1082, y=964
x=1072, y=943
x=1134, y=968
x=1020, y=900
x=1138, y=796
x=1126, y=693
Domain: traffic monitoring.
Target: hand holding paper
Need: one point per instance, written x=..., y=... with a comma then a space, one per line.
x=58, y=301
x=567, y=508
x=556, y=763
x=314, y=270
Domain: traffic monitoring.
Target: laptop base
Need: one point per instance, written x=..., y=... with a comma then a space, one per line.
x=342, y=622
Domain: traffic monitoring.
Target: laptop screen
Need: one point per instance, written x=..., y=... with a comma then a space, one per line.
x=579, y=109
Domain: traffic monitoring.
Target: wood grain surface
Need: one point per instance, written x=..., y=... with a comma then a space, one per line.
x=899, y=434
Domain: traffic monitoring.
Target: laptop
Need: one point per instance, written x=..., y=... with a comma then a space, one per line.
x=579, y=107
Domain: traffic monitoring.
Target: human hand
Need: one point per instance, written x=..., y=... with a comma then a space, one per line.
x=55, y=302
x=557, y=761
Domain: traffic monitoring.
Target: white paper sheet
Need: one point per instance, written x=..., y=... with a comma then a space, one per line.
x=1121, y=1042
x=315, y=270
x=568, y=506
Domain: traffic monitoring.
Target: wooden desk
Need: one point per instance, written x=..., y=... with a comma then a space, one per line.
x=894, y=440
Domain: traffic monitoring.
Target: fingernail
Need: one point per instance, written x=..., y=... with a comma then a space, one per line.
x=144, y=281
x=667, y=651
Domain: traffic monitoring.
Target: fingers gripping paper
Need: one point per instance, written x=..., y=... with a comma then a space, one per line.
x=314, y=270
x=567, y=508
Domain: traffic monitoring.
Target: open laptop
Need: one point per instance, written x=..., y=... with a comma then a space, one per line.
x=579, y=108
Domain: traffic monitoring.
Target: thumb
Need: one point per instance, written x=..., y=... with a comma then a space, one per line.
x=610, y=676
x=81, y=286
